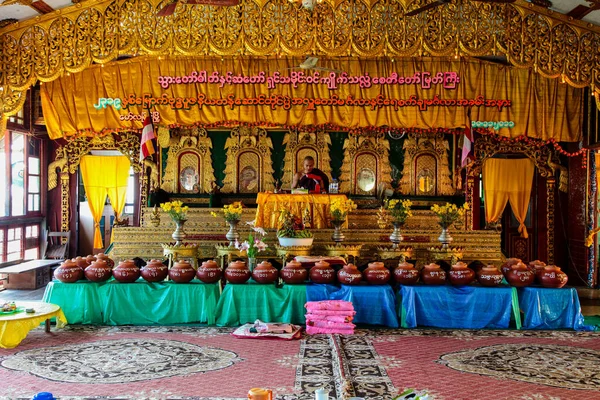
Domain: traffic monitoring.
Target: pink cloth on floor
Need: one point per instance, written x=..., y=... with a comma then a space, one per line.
x=311, y=330
x=329, y=305
x=345, y=313
x=334, y=318
x=330, y=324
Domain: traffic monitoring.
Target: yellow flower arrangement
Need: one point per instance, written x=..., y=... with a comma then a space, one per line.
x=449, y=213
x=176, y=210
x=231, y=212
x=400, y=210
x=339, y=209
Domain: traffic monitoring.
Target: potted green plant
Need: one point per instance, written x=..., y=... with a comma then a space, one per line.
x=292, y=231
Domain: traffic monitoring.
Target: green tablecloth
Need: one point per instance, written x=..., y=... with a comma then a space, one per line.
x=80, y=301
x=139, y=303
x=244, y=303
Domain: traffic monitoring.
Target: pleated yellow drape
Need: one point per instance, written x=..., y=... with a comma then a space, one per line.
x=102, y=176
x=506, y=180
x=540, y=107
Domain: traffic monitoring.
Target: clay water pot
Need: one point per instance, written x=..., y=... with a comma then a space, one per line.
x=509, y=263
x=349, y=275
x=476, y=266
x=433, y=274
x=109, y=261
x=90, y=259
x=82, y=262
x=237, y=272
x=322, y=272
x=209, y=272
x=68, y=272
x=126, y=272
x=461, y=274
x=406, y=274
x=98, y=271
x=553, y=277
x=265, y=272
x=294, y=272
x=182, y=272
x=154, y=271
x=490, y=276
x=537, y=267
x=519, y=275
x=377, y=274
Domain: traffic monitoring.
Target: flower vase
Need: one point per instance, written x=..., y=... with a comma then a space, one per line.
x=179, y=235
x=338, y=236
x=396, y=236
x=251, y=263
x=445, y=237
x=233, y=235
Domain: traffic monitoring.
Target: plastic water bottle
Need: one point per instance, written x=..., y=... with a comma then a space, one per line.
x=321, y=394
x=334, y=186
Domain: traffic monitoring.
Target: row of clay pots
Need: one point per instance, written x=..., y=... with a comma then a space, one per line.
x=520, y=275
x=75, y=269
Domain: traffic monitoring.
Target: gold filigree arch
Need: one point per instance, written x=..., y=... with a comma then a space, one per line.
x=71, y=39
x=301, y=144
x=248, y=153
x=68, y=157
x=188, y=148
x=434, y=149
x=364, y=151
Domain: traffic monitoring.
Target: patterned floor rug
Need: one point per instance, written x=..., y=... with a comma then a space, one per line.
x=83, y=362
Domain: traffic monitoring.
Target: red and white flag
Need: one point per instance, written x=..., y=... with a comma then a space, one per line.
x=147, y=146
x=467, y=144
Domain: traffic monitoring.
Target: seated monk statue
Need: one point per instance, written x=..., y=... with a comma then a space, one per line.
x=311, y=178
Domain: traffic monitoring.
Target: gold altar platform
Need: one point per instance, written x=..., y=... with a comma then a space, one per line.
x=420, y=233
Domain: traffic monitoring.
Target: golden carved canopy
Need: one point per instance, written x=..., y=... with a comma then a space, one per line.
x=71, y=39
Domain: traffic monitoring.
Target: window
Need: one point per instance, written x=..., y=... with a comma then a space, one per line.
x=20, y=196
x=130, y=198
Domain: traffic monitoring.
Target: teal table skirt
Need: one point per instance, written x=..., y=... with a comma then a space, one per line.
x=469, y=307
x=245, y=303
x=139, y=303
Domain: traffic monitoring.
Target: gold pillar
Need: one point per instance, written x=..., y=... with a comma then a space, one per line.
x=550, y=193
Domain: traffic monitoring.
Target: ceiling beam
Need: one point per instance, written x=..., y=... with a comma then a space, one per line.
x=41, y=7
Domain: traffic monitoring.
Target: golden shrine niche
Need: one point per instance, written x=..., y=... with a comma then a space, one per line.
x=68, y=157
x=366, y=163
x=248, y=168
x=300, y=145
x=426, y=171
x=189, y=164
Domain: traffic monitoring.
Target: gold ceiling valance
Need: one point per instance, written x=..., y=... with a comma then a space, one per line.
x=72, y=39
x=538, y=107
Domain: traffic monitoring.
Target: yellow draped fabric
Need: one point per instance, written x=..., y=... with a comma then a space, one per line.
x=540, y=107
x=104, y=175
x=15, y=327
x=506, y=180
x=269, y=205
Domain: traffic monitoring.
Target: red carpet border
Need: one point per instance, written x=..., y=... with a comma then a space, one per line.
x=204, y=363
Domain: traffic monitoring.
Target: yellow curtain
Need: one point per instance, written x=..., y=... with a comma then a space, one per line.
x=104, y=175
x=507, y=180
x=540, y=107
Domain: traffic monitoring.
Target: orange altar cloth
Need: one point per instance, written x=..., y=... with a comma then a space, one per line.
x=269, y=204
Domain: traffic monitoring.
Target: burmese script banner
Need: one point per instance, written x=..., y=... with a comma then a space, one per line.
x=348, y=94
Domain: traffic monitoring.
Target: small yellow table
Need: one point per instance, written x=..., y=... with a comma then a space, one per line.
x=15, y=327
x=269, y=204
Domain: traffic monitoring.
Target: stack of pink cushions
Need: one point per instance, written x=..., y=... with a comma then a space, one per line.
x=329, y=316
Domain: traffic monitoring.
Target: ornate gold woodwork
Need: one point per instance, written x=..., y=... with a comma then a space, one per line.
x=426, y=171
x=71, y=39
x=302, y=144
x=248, y=168
x=365, y=160
x=68, y=157
x=550, y=193
x=189, y=163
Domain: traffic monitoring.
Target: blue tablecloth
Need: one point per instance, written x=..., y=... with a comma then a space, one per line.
x=546, y=308
x=374, y=304
x=472, y=307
